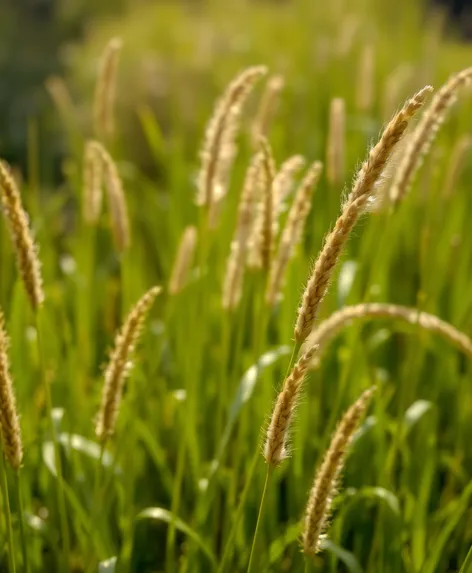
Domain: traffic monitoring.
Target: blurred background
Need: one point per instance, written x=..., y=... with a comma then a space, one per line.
x=178, y=54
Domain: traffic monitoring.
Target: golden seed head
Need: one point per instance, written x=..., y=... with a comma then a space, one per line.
x=116, y=198
x=276, y=444
x=235, y=266
x=92, y=182
x=219, y=146
x=326, y=481
x=426, y=132
x=9, y=420
x=120, y=363
x=336, y=142
x=25, y=248
x=267, y=108
x=106, y=88
x=336, y=322
x=183, y=260
x=292, y=232
x=358, y=199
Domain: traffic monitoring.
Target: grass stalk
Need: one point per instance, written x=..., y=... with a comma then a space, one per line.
x=61, y=500
x=8, y=526
x=21, y=519
x=251, y=566
x=6, y=501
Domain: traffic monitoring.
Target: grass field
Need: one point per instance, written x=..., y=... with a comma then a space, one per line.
x=176, y=484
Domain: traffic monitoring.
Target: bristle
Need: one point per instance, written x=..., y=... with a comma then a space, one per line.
x=116, y=199
x=92, y=183
x=332, y=326
x=326, y=481
x=426, y=132
x=232, y=286
x=218, y=149
x=355, y=205
x=183, y=260
x=266, y=109
x=292, y=233
x=120, y=363
x=336, y=142
x=9, y=420
x=25, y=248
x=276, y=444
x=104, y=102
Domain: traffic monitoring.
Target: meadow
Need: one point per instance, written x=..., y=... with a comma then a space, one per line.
x=196, y=374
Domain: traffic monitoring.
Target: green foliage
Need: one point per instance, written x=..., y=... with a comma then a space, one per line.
x=187, y=445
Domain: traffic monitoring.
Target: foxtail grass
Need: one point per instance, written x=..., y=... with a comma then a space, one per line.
x=26, y=250
x=425, y=133
x=327, y=478
x=104, y=101
x=218, y=149
x=356, y=203
x=328, y=329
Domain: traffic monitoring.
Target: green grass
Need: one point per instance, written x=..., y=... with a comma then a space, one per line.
x=186, y=457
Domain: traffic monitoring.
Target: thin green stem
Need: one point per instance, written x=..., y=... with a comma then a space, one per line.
x=175, y=507
x=6, y=502
x=61, y=500
x=239, y=512
x=96, y=506
x=21, y=519
x=251, y=564
x=307, y=565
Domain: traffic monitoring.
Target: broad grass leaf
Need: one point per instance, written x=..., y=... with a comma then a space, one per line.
x=415, y=412
x=343, y=555
x=161, y=514
x=347, y=275
x=155, y=452
x=377, y=494
x=107, y=566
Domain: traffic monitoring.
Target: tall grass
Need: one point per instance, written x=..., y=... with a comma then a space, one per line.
x=175, y=481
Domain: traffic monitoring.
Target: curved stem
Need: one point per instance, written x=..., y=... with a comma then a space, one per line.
x=6, y=502
x=250, y=566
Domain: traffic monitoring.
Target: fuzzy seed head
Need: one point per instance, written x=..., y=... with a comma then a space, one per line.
x=25, y=248
x=92, y=183
x=292, y=232
x=276, y=444
x=119, y=365
x=183, y=260
x=358, y=199
x=105, y=90
x=426, y=132
x=326, y=481
x=219, y=147
x=9, y=419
